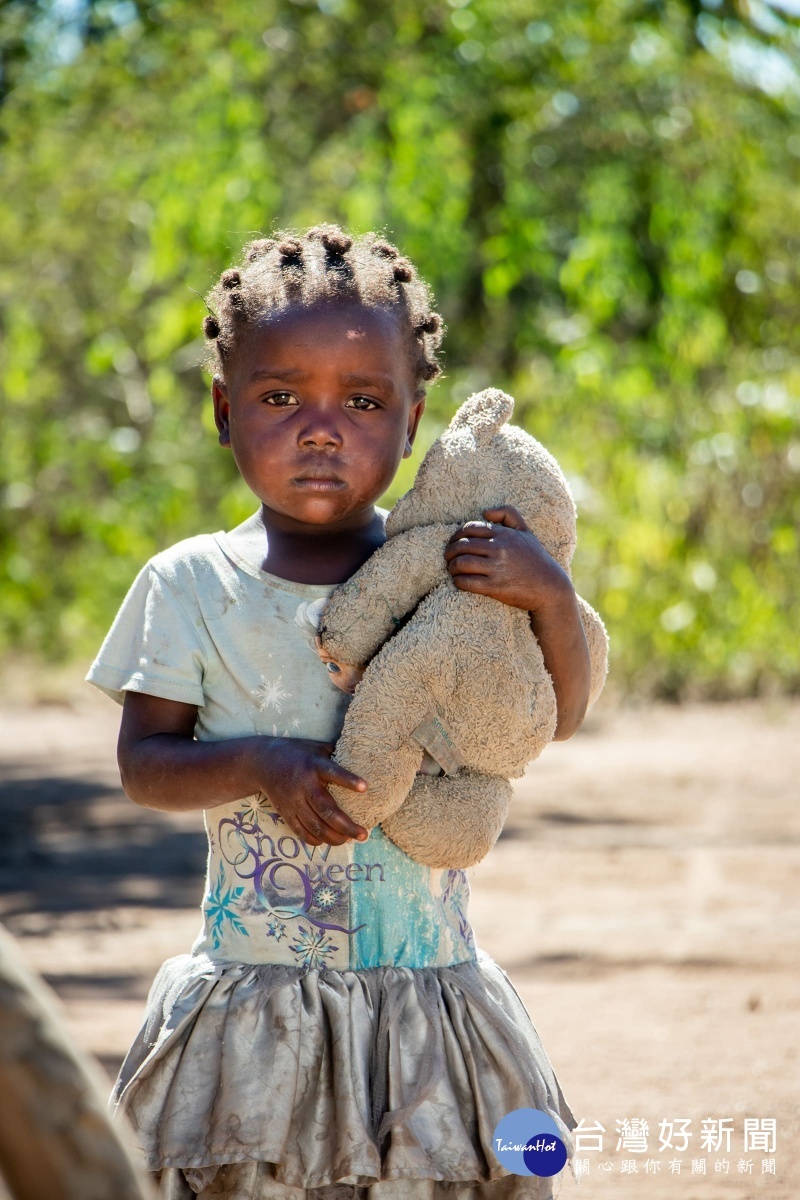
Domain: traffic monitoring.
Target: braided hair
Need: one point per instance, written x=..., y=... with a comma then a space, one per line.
x=322, y=265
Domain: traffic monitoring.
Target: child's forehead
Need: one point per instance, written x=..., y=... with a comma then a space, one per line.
x=350, y=320
x=344, y=332
x=344, y=328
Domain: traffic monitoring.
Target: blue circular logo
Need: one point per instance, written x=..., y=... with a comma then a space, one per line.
x=526, y=1142
x=545, y=1154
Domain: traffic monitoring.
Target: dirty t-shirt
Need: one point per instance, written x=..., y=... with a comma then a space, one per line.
x=204, y=626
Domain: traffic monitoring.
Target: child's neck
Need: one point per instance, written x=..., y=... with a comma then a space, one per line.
x=314, y=554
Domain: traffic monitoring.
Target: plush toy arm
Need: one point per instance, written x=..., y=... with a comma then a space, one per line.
x=597, y=641
x=363, y=612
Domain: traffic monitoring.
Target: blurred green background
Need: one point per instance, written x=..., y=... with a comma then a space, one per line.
x=604, y=197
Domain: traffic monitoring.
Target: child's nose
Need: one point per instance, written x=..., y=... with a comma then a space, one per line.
x=320, y=430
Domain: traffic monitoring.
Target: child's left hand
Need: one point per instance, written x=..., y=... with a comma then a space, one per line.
x=504, y=560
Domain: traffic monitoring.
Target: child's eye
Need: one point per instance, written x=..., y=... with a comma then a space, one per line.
x=281, y=399
x=362, y=403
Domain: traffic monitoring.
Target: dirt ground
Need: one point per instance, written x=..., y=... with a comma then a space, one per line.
x=644, y=898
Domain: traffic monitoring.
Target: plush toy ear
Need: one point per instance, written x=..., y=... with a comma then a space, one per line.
x=484, y=413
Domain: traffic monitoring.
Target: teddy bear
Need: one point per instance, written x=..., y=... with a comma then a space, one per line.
x=455, y=699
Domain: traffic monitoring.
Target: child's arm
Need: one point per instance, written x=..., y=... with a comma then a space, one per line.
x=163, y=767
x=508, y=562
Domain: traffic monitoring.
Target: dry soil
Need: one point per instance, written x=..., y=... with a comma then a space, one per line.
x=644, y=898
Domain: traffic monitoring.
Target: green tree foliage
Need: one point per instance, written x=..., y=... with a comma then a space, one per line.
x=603, y=194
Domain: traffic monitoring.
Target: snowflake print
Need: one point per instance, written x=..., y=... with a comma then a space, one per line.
x=276, y=929
x=221, y=906
x=270, y=693
x=255, y=808
x=312, y=947
x=325, y=895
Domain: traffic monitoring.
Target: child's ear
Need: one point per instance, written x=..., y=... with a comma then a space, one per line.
x=414, y=416
x=222, y=410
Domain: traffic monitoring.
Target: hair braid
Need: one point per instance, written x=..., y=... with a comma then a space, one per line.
x=324, y=264
x=256, y=250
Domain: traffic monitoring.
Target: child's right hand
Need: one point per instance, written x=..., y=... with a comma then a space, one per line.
x=163, y=766
x=296, y=772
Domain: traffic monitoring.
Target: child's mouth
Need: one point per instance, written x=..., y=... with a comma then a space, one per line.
x=315, y=483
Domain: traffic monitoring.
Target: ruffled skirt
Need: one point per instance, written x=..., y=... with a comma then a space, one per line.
x=271, y=1082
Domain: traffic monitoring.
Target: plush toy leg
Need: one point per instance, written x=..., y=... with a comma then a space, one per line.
x=451, y=821
x=390, y=771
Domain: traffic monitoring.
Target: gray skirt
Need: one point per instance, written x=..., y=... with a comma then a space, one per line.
x=271, y=1082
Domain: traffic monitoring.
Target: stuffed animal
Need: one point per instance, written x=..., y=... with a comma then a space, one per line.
x=461, y=685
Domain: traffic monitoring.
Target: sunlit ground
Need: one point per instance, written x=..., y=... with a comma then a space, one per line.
x=644, y=898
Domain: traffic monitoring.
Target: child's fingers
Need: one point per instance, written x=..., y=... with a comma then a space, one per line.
x=481, y=585
x=471, y=529
x=311, y=833
x=506, y=515
x=323, y=810
x=318, y=832
x=332, y=772
x=467, y=545
x=301, y=823
x=305, y=821
x=470, y=564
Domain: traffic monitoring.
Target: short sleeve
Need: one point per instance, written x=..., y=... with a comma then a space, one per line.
x=153, y=646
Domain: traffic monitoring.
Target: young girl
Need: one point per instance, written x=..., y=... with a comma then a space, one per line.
x=335, y=1031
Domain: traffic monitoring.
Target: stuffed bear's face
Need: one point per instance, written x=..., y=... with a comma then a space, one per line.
x=481, y=462
x=345, y=675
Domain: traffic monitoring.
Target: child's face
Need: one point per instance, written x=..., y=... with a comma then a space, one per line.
x=318, y=406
